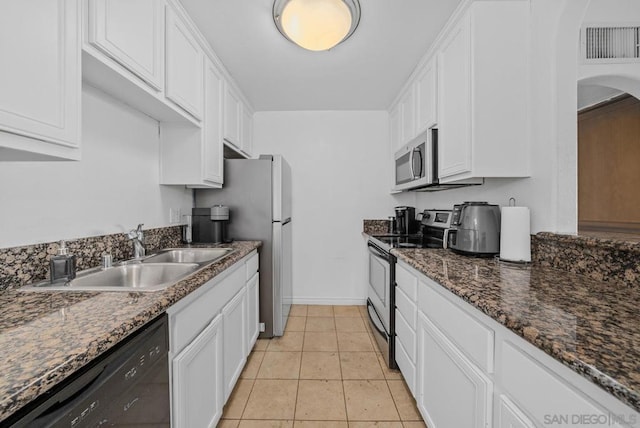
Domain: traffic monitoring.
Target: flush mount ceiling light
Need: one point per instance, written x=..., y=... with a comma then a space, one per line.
x=316, y=25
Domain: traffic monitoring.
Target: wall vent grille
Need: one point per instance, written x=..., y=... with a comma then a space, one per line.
x=611, y=44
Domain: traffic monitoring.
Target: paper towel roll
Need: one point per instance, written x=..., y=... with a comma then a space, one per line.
x=515, y=234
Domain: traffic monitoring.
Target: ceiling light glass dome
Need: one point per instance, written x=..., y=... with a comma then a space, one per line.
x=316, y=25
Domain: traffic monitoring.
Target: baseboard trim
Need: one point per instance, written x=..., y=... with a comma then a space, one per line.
x=328, y=301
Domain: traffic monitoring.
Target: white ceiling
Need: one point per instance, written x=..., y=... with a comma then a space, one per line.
x=363, y=73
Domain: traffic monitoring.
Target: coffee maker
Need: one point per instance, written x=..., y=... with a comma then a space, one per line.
x=210, y=225
x=405, y=222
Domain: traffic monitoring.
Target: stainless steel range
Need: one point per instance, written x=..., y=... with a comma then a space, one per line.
x=382, y=266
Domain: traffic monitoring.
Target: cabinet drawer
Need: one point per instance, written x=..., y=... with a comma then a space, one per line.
x=407, y=368
x=252, y=266
x=468, y=333
x=406, y=335
x=540, y=392
x=407, y=282
x=407, y=308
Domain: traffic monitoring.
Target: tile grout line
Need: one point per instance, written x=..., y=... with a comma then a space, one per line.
x=344, y=391
x=295, y=402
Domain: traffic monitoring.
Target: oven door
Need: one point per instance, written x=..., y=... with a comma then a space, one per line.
x=381, y=301
x=380, y=283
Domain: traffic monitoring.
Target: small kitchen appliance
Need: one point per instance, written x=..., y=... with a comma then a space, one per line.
x=406, y=223
x=475, y=229
x=210, y=225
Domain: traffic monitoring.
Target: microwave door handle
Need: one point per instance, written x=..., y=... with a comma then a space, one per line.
x=413, y=173
x=417, y=150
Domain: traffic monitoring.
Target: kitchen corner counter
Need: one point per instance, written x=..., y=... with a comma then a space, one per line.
x=46, y=336
x=591, y=326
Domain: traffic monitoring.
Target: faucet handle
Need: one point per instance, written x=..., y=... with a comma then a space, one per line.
x=107, y=261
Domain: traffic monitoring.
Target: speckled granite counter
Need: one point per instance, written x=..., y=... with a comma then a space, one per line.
x=46, y=336
x=591, y=326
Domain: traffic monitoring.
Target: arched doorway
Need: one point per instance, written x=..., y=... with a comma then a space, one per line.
x=608, y=158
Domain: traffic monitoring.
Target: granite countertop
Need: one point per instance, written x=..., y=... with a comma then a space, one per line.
x=46, y=336
x=591, y=326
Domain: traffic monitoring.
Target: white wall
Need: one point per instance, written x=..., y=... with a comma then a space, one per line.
x=112, y=189
x=340, y=176
x=624, y=76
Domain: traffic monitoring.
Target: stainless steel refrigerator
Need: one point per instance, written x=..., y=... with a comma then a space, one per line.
x=258, y=194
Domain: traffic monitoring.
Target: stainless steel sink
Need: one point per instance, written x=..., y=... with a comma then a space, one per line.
x=153, y=273
x=189, y=255
x=128, y=277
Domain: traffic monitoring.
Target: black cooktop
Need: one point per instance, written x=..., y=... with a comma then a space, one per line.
x=410, y=241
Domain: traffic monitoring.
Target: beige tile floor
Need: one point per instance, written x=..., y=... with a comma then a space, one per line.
x=324, y=372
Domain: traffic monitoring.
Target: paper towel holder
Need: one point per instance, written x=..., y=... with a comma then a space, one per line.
x=526, y=260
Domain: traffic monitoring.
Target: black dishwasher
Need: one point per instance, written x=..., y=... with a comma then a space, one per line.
x=127, y=387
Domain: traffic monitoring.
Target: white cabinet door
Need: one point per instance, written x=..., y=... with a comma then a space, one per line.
x=184, y=66
x=212, y=138
x=426, y=98
x=235, y=355
x=247, y=131
x=40, y=78
x=408, y=115
x=197, y=380
x=232, y=107
x=452, y=392
x=253, y=311
x=132, y=33
x=395, y=127
x=454, y=102
x=510, y=416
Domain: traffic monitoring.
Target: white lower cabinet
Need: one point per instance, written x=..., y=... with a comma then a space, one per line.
x=452, y=391
x=253, y=311
x=509, y=416
x=208, y=345
x=197, y=397
x=235, y=354
x=470, y=371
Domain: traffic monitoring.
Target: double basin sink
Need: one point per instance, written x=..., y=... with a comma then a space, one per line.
x=152, y=273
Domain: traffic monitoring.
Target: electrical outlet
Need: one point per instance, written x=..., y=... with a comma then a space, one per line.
x=174, y=215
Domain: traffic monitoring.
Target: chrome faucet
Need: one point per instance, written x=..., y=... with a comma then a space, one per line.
x=137, y=238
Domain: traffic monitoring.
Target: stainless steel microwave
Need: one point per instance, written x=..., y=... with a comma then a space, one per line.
x=415, y=163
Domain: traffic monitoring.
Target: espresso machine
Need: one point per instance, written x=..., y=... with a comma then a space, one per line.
x=405, y=221
x=210, y=225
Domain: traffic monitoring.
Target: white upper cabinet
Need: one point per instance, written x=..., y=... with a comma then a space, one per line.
x=232, y=114
x=403, y=119
x=40, y=80
x=426, y=97
x=193, y=156
x=212, y=139
x=482, y=93
x=408, y=123
x=395, y=126
x=454, y=139
x=132, y=33
x=246, y=136
x=184, y=66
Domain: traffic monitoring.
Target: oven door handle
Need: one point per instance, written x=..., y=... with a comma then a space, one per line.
x=369, y=304
x=376, y=251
